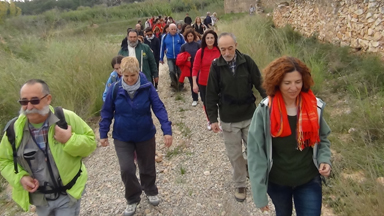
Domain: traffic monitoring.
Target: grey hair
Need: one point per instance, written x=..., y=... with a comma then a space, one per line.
x=42, y=82
x=228, y=34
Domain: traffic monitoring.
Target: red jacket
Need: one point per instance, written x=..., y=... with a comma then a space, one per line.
x=203, y=65
x=184, y=65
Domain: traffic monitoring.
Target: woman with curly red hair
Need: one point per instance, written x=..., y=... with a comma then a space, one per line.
x=288, y=148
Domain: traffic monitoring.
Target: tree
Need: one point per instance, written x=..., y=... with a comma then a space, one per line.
x=3, y=10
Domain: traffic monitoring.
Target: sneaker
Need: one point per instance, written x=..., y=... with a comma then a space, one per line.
x=209, y=126
x=153, y=200
x=131, y=209
x=240, y=194
x=194, y=103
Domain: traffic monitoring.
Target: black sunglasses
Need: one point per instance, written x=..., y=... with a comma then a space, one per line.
x=33, y=101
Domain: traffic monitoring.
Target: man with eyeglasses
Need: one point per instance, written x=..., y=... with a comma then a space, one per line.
x=49, y=172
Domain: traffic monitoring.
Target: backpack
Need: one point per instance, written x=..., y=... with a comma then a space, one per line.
x=10, y=131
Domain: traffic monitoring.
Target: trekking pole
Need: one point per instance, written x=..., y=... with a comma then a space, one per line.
x=141, y=61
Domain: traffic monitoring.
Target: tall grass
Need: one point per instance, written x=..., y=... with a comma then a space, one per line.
x=352, y=87
x=75, y=68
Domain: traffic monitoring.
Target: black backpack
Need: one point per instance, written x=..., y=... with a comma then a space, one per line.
x=10, y=131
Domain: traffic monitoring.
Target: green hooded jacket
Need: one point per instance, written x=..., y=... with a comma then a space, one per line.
x=149, y=66
x=67, y=157
x=259, y=150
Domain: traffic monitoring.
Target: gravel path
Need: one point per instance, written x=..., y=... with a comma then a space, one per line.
x=194, y=177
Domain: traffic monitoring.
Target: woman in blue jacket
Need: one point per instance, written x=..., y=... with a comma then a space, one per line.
x=129, y=102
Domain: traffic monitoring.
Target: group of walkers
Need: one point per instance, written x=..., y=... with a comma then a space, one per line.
x=287, y=150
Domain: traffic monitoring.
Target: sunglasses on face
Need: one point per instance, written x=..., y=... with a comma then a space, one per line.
x=33, y=101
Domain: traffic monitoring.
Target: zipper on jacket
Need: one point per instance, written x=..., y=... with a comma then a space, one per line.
x=173, y=45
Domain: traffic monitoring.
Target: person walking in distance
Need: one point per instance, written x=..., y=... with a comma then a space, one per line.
x=202, y=64
x=191, y=47
x=171, y=44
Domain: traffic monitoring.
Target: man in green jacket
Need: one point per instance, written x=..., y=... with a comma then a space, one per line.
x=131, y=46
x=231, y=79
x=49, y=172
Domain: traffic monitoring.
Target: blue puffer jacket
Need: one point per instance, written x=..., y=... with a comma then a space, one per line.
x=133, y=118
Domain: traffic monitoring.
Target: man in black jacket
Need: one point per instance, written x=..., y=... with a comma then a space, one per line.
x=187, y=19
x=231, y=79
x=208, y=20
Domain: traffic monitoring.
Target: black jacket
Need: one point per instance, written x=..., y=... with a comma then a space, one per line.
x=188, y=20
x=232, y=93
x=155, y=47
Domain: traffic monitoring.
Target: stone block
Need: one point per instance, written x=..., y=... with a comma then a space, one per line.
x=375, y=44
x=372, y=5
x=359, y=12
x=377, y=36
x=370, y=32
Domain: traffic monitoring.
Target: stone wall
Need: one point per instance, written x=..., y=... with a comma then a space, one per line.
x=355, y=23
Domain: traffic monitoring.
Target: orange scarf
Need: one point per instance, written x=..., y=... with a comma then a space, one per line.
x=307, y=131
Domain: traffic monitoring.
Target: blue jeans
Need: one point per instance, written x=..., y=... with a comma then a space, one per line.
x=307, y=198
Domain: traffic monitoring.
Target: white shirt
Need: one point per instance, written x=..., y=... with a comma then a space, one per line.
x=131, y=51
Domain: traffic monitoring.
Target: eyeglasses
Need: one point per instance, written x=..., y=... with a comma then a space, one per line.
x=33, y=101
x=149, y=35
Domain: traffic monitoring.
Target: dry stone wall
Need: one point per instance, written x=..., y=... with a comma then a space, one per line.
x=355, y=23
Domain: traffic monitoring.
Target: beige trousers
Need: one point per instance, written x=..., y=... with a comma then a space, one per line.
x=235, y=135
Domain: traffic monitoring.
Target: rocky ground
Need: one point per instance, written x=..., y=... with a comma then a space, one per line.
x=194, y=176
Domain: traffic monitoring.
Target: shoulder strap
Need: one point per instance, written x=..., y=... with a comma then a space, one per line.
x=60, y=114
x=114, y=90
x=10, y=131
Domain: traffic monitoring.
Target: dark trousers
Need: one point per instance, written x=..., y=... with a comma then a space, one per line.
x=195, y=96
x=307, y=198
x=146, y=161
x=203, y=91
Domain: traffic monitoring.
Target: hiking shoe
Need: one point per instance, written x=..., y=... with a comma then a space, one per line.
x=194, y=103
x=153, y=200
x=240, y=194
x=131, y=209
x=209, y=126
